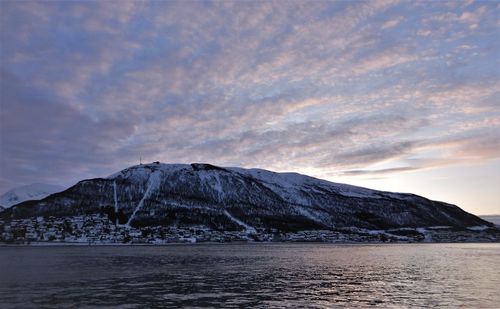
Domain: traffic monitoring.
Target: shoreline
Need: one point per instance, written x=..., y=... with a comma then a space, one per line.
x=80, y=244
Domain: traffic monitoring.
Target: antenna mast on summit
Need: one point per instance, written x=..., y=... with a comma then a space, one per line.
x=140, y=160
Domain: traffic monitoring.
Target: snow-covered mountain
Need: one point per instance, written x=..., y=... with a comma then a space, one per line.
x=236, y=198
x=36, y=191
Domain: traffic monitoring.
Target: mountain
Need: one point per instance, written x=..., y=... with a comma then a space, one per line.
x=36, y=191
x=495, y=219
x=235, y=198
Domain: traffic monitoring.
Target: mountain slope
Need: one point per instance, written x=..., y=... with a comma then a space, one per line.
x=495, y=219
x=36, y=191
x=236, y=198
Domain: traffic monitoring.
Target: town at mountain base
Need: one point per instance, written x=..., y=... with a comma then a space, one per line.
x=167, y=203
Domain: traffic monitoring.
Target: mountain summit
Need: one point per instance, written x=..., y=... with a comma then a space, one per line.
x=229, y=198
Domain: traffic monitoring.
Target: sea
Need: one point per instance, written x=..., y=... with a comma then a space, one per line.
x=251, y=275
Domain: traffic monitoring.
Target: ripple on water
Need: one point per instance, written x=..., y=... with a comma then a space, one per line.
x=256, y=275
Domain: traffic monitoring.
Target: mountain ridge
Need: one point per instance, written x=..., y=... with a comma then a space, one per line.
x=235, y=198
x=34, y=191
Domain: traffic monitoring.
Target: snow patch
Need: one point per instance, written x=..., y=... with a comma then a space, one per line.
x=36, y=191
x=478, y=228
x=285, y=183
x=143, y=171
x=211, y=180
x=248, y=228
x=426, y=233
x=307, y=214
x=153, y=184
x=439, y=227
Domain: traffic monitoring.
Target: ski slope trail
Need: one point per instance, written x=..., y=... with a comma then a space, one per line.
x=248, y=228
x=153, y=184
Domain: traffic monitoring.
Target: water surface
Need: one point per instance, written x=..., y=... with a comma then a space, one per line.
x=258, y=275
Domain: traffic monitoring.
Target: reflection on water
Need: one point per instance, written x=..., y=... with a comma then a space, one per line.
x=258, y=275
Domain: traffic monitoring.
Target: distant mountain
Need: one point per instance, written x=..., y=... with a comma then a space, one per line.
x=36, y=191
x=236, y=198
x=492, y=218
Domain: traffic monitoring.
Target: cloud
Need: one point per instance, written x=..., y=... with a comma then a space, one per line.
x=471, y=146
x=375, y=153
x=384, y=60
x=379, y=171
x=88, y=87
x=43, y=138
x=392, y=22
x=467, y=149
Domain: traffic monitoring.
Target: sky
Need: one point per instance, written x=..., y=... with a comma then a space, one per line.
x=394, y=95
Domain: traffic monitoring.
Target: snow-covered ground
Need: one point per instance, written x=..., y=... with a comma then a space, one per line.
x=36, y=191
x=153, y=184
x=249, y=229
